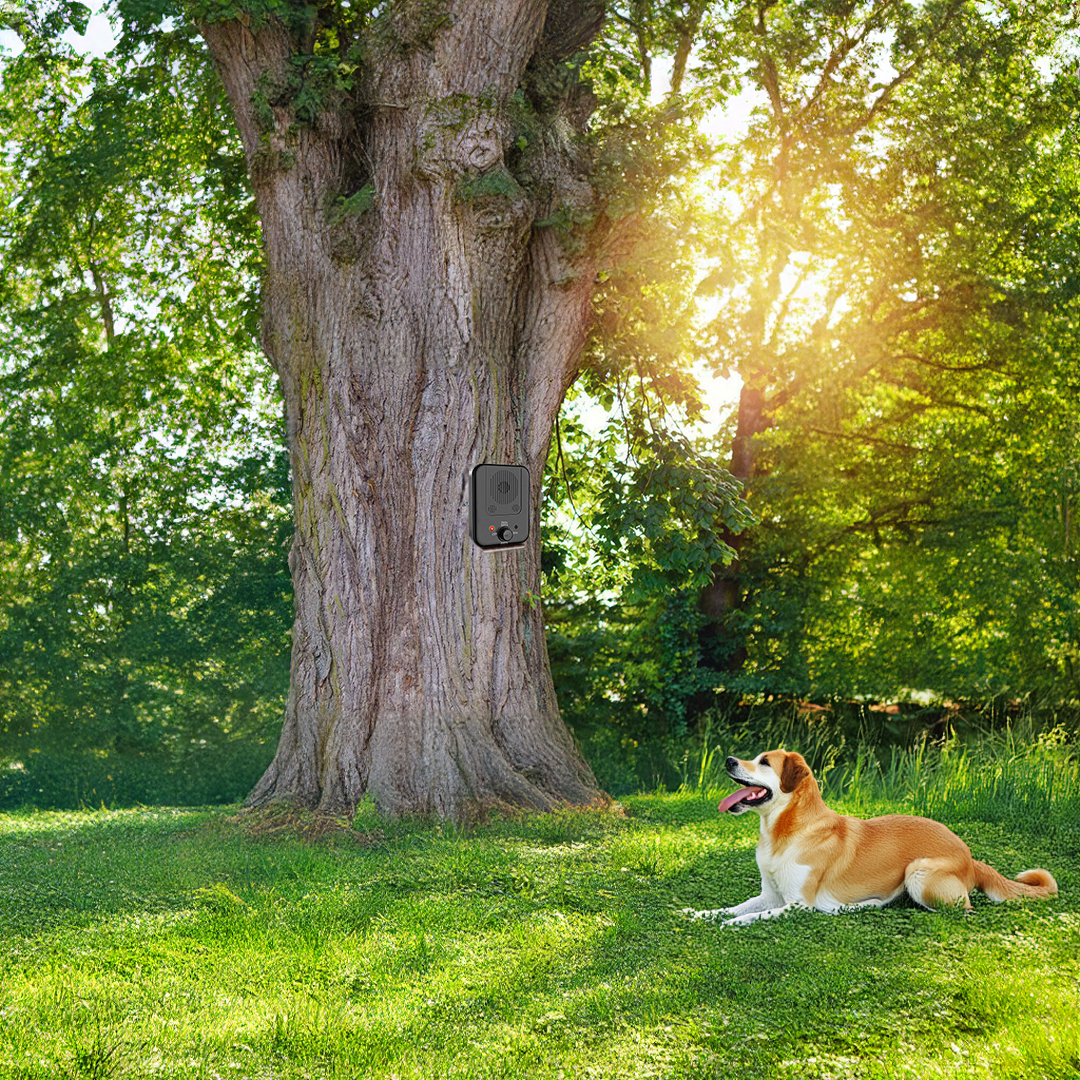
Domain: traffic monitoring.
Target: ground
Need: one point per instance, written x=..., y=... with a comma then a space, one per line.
x=196, y=943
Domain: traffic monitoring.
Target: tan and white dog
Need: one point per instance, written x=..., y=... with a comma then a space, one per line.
x=811, y=857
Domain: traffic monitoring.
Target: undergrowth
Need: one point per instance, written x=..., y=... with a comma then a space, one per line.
x=996, y=775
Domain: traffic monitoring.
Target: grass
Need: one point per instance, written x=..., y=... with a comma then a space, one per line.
x=186, y=943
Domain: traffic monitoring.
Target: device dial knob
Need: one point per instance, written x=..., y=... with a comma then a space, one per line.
x=505, y=533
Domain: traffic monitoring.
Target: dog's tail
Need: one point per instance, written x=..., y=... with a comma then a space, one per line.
x=1031, y=883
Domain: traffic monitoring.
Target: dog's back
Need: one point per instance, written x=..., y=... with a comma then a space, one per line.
x=884, y=856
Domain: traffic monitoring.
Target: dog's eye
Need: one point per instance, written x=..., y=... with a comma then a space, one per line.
x=764, y=762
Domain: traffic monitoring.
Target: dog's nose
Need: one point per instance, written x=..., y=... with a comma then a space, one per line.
x=731, y=763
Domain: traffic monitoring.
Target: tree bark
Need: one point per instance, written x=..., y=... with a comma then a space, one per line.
x=421, y=323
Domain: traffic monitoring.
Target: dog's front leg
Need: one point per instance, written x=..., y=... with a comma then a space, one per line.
x=764, y=902
x=745, y=918
x=768, y=899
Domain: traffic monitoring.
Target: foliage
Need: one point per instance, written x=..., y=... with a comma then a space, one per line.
x=143, y=495
x=889, y=268
x=905, y=202
x=623, y=621
x=358, y=203
x=665, y=515
x=172, y=941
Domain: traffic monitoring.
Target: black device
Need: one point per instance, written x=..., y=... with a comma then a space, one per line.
x=499, y=505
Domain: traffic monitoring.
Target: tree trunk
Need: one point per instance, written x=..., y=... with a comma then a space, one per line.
x=420, y=323
x=722, y=649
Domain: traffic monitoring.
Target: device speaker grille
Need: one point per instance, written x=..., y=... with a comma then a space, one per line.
x=503, y=487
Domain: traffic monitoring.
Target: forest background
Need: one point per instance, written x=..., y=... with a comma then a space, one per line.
x=861, y=217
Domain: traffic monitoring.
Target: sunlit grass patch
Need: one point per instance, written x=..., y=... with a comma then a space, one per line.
x=150, y=943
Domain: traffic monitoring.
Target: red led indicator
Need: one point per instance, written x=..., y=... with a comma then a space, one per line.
x=491, y=528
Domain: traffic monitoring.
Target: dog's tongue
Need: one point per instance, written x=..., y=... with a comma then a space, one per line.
x=738, y=796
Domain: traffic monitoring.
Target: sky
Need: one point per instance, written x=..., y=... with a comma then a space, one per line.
x=97, y=40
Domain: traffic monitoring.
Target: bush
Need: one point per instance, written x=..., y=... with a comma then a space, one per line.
x=200, y=776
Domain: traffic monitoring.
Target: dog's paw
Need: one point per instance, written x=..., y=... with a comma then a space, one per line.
x=767, y=913
x=740, y=920
x=693, y=913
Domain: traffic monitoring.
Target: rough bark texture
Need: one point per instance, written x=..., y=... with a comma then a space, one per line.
x=425, y=325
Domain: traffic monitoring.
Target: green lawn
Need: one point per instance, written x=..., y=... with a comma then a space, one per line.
x=174, y=943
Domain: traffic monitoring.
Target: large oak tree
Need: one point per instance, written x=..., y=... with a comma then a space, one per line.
x=417, y=169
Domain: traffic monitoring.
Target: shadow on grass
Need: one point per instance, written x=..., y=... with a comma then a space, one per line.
x=520, y=943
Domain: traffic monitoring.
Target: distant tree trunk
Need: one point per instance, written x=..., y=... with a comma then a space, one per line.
x=421, y=322
x=721, y=649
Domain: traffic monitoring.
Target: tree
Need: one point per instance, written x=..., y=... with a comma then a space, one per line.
x=144, y=498
x=434, y=214
x=417, y=169
x=890, y=271
x=877, y=279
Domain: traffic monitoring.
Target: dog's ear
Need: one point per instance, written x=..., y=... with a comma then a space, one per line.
x=794, y=772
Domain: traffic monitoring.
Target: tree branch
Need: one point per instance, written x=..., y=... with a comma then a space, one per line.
x=874, y=520
x=570, y=27
x=104, y=301
x=841, y=52
x=769, y=74
x=868, y=439
x=247, y=61
x=952, y=368
x=688, y=29
x=902, y=77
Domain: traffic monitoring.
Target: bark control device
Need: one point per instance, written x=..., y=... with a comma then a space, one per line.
x=499, y=500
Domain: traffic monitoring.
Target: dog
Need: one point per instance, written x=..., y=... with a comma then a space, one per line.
x=811, y=857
